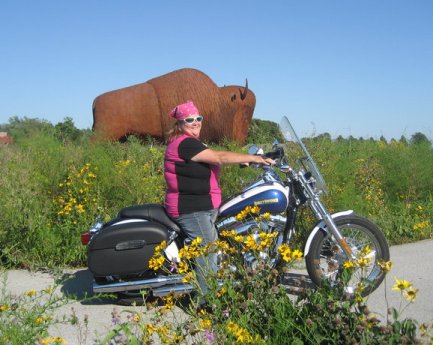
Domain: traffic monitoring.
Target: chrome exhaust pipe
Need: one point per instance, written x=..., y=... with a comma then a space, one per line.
x=179, y=289
x=151, y=283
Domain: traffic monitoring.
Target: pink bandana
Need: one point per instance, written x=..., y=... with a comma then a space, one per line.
x=184, y=110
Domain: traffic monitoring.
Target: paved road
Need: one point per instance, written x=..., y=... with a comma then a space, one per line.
x=413, y=262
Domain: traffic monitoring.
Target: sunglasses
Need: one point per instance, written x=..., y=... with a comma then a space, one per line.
x=192, y=119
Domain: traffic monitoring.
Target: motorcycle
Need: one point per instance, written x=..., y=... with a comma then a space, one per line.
x=120, y=249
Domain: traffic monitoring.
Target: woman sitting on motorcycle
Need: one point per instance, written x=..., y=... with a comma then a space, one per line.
x=191, y=172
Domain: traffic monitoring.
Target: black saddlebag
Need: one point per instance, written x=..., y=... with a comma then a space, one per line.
x=123, y=249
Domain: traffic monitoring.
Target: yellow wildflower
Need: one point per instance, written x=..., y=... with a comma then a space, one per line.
x=241, y=216
x=221, y=292
x=297, y=255
x=189, y=252
x=80, y=208
x=283, y=248
x=239, y=238
x=169, y=302
x=285, y=252
x=30, y=293
x=401, y=285
x=156, y=262
x=287, y=255
x=265, y=215
x=161, y=246
x=150, y=328
x=362, y=262
x=410, y=294
x=232, y=327
x=255, y=209
x=53, y=340
x=39, y=320
x=183, y=267
x=250, y=243
x=366, y=250
x=228, y=233
x=3, y=307
x=348, y=264
x=241, y=334
x=385, y=266
x=197, y=241
x=206, y=324
x=135, y=318
x=188, y=277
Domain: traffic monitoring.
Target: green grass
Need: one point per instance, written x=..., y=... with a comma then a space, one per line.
x=52, y=189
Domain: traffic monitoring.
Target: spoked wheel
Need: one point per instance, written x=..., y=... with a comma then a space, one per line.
x=325, y=258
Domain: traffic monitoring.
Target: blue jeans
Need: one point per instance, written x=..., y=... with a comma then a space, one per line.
x=201, y=224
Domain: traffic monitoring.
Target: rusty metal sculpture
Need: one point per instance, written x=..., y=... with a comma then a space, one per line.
x=143, y=109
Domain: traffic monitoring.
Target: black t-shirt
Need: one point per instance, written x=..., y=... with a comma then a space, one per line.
x=191, y=186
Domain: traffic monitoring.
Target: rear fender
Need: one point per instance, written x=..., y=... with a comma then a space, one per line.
x=321, y=225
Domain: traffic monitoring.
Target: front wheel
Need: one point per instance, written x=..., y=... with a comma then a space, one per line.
x=325, y=258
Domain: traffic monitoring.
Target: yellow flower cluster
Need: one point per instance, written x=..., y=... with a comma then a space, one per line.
x=168, y=302
x=41, y=319
x=385, y=266
x=192, y=251
x=362, y=261
x=157, y=260
x=124, y=163
x=421, y=225
x=241, y=334
x=256, y=242
x=75, y=192
x=288, y=254
x=406, y=288
x=205, y=324
x=249, y=210
x=30, y=293
x=183, y=267
x=165, y=333
x=221, y=292
x=222, y=246
x=53, y=341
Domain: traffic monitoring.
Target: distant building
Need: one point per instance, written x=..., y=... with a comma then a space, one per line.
x=5, y=138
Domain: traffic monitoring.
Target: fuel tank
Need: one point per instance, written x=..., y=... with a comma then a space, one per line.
x=270, y=197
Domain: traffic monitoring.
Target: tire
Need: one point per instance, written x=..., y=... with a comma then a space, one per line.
x=325, y=258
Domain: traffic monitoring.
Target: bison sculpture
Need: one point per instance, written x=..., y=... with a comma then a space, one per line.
x=143, y=109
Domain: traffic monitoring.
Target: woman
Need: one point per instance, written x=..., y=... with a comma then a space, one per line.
x=191, y=172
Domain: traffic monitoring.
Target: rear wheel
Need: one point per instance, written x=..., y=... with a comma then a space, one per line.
x=325, y=258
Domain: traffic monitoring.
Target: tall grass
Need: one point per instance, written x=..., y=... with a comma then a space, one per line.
x=51, y=189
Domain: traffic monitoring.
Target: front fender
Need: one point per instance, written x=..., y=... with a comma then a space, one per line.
x=322, y=226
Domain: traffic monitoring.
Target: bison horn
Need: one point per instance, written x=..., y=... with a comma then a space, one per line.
x=244, y=94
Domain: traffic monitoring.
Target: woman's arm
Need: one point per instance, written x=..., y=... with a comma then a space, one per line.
x=226, y=157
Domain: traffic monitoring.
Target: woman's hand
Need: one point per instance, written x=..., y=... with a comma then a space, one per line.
x=263, y=160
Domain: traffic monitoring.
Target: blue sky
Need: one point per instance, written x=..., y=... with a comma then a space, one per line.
x=361, y=68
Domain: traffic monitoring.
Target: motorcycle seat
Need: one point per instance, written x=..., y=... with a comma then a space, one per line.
x=153, y=212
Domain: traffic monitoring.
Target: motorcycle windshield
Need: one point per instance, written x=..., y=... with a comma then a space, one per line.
x=297, y=150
